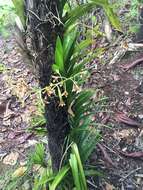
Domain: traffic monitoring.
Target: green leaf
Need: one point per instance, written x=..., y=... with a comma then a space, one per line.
x=38, y=157
x=59, y=56
x=109, y=12
x=43, y=180
x=55, y=68
x=83, y=97
x=88, y=144
x=82, y=45
x=77, y=121
x=59, y=177
x=81, y=171
x=91, y=172
x=78, y=68
x=82, y=110
x=86, y=139
x=75, y=172
x=75, y=69
x=85, y=8
x=69, y=44
x=19, y=6
x=77, y=12
x=61, y=7
x=112, y=18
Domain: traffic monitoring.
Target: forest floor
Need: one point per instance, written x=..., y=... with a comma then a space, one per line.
x=18, y=99
x=119, y=155
x=118, y=106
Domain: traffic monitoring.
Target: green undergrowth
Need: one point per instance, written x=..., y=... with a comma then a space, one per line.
x=38, y=121
x=7, y=16
x=2, y=68
x=129, y=15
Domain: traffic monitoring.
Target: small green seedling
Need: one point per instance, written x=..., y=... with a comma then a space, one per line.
x=2, y=68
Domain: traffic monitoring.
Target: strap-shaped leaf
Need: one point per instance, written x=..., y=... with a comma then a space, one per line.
x=82, y=45
x=55, y=68
x=81, y=171
x=81, y=111
x=76, y=122
x=62, y=173
x=88, y=143
x=59, y=59
x=75, y=171
x=77, y=13
x=61, y=7
x=83, y=98
x=19, y=6
x=69, y=45
x=85, y=8
x=109, y=12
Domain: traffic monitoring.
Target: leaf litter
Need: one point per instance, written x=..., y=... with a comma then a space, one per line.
x=17, y=99
x=123, y=110
x=118, y=81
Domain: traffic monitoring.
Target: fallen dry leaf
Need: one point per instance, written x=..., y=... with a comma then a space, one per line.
x=7, y=116
x=121, y=117
x=109, y=186
x=106, y=156
x=19, y=172
x=24, y=138
x=132, y=64
x=70, y=111
x=132, y=154
x=11, y=159
x=2, y=107
x=124, y=133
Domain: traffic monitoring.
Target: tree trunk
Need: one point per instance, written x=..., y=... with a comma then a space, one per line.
x=43, y=27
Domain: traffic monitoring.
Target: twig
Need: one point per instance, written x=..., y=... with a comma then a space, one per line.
x=64, y=155
x=90, y=183
x=22, y=154
x=106, y=156
x=111, y=150
x=118, y=55
x=130, y=173
x=123, y=49
x=36, y=16
x=135, y=46
x=42, y=34
x=134, y=63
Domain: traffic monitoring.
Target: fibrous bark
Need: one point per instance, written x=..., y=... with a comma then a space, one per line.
x=44, y=26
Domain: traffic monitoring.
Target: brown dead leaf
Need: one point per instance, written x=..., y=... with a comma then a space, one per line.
x=2, y=107
x=7, y=116
x=124, y=133
x=108, y=30
x=132, y=64
x=70, y=111
x=14, y=134
x=121, y=117
x=24, y=137
x=109, y=186
x=11, y=159
x=132, y=154
x=21, y=90
x=106, y=156
x=19, y=172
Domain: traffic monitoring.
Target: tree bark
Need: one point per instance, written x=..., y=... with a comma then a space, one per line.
x=43, y=27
